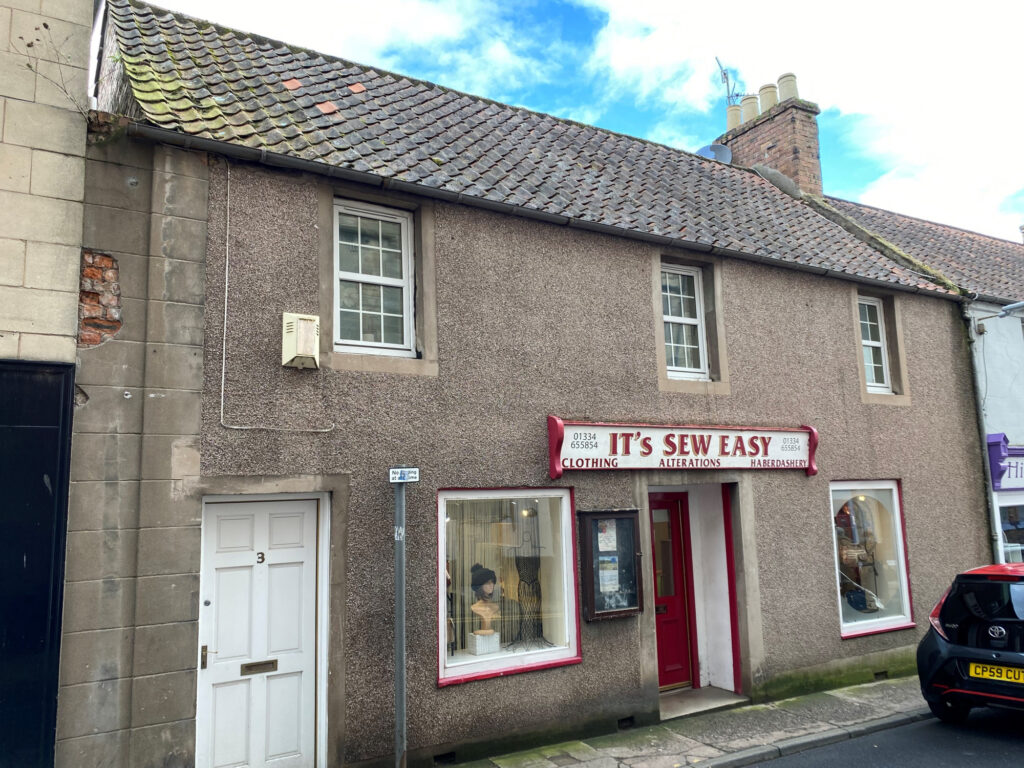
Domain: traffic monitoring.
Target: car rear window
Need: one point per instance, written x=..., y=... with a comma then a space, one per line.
x=975, y=603
x=985, y=599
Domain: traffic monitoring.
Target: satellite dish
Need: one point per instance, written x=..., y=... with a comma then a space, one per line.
x=718, y=152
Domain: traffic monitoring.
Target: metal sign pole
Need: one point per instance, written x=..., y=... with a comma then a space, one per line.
x=399, y=625
x=398, y=477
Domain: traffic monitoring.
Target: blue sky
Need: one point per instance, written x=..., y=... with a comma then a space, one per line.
x=919, y=110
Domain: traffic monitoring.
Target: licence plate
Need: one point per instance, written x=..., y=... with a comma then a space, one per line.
x=994, y=672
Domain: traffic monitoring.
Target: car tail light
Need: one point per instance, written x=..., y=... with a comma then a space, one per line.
x=933, y=617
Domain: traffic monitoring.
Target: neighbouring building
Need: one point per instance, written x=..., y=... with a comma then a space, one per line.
x=44, y=50
x=779, y=131
x=674, y=428
x=990, y=272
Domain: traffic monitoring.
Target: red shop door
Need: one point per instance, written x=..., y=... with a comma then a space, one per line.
x=670, y=540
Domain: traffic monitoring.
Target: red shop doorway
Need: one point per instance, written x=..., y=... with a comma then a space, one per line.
x=673, y=589
x=694, y=577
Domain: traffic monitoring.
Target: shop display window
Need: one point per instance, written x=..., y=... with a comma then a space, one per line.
x=507, y=582
x=1012, y=522
x=871, y=570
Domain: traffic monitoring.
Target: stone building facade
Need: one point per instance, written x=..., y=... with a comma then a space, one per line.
x=44, y=51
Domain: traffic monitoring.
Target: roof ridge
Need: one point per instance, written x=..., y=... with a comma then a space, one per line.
x=926, y=221
x=875, y=240
x=262, y=39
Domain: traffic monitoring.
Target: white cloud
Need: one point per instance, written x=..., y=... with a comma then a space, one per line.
x=668, y=132
x=465, y=43
x=588, y=114
x=367, y=33
x=490, y=67
x=936, y=87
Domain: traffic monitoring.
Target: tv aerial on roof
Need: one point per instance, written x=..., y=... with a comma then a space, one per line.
x=731, y=97
x=718, y=152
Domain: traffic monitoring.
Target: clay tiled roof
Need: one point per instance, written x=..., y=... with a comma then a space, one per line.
x=198, y=79
x=987, y=266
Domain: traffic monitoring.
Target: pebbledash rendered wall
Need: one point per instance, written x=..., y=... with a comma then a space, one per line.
x=534, y=319
x=522, y=319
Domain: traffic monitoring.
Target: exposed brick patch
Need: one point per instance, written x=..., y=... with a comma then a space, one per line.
x=357, y=88
x=99, y=299
x=104, y=126
x=292, y=83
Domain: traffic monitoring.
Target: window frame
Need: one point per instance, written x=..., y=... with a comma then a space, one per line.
x=903, y=620
x=406, y=222
x=524, y=662
x=703, y=372
x=885, y=387
x=1006, y=500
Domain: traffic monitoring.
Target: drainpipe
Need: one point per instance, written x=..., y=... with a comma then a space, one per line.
x=995, y=524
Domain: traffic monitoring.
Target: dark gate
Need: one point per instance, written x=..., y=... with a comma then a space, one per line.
x=35, y=445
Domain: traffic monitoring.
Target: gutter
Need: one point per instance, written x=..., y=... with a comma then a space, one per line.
x=276, y=160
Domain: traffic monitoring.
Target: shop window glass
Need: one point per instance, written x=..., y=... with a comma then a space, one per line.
x=1012, y=518
x=870, y=557
x=507, y=582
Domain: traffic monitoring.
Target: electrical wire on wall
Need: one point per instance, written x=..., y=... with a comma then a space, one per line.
x=224, y=334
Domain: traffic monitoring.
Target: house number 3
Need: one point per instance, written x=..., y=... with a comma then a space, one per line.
x=260, y=557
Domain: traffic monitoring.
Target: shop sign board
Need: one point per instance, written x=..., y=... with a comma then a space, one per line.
x=1006, y=463
x=578, y=445
x=1013, y=477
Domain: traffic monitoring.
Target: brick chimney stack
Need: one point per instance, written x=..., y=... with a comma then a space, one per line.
x=778, y=129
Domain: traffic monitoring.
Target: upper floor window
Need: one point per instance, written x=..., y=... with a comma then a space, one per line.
x=374, y=280
x=682, y=306
x=874, y=345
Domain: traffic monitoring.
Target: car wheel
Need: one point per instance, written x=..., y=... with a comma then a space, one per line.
x=950, y=712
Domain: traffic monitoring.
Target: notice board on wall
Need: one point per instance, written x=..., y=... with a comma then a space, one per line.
x=612, y=581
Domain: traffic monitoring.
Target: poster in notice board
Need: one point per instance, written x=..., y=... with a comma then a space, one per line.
x=611, y=558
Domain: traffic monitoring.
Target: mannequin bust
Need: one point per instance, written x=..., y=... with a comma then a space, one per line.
x=486, y=608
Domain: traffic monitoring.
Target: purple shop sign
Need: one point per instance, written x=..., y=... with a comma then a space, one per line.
x=1006, y=463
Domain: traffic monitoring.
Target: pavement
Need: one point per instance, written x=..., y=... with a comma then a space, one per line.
x=739, y=736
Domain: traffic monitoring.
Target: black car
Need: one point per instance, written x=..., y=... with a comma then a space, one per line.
x=973, y=655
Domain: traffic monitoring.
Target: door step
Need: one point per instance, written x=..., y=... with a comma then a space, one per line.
x=689, y=701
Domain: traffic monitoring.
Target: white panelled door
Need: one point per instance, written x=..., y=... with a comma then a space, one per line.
x=256, y=699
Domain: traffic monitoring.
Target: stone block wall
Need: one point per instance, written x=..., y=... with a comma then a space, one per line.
x=127, y=682
x=44, y=51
